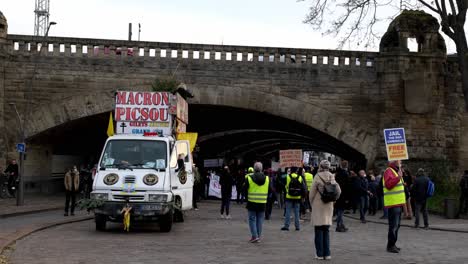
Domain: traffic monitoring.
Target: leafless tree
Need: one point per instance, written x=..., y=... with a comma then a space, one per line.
x=356, y=20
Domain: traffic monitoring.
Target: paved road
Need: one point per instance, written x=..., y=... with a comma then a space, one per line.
x=204, y=238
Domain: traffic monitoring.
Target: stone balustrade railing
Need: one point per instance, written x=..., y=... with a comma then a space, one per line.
x=102, y=48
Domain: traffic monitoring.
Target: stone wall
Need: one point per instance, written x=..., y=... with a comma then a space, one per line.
x=349, y=95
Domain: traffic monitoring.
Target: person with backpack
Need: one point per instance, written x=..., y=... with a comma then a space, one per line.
x=419, y=192
x=294, y=193
x=323, y=193
x=463, y=194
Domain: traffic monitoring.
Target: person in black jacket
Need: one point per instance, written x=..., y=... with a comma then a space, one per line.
x=419, y=194
x=373, y=185
x=363, y=193
x=226, y=181
x=12, y=172
x=256, y=205
x=463, y=194
x=342, y=178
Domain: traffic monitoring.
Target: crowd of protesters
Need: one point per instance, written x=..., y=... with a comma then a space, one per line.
x=394, y=192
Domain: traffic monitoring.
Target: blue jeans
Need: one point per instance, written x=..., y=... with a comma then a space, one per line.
x=292, y=204
x=339, y=217
x=363, y=205
x=322, y=241
x=394, y=218
x=256, y=222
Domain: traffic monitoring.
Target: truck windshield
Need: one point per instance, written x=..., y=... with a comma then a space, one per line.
x=135, y=154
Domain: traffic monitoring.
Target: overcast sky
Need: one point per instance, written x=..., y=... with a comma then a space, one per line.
x=276, y=23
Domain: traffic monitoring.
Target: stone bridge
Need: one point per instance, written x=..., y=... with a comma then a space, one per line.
x=340, y=100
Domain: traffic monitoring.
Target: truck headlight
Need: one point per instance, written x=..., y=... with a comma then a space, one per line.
x=150, y=179
x=111, y=179
x=159, y=198
x=100, y=196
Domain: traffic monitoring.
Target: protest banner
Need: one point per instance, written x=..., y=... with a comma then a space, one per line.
x=395, y=143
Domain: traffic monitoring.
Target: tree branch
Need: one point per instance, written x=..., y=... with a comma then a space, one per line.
x=428, y=6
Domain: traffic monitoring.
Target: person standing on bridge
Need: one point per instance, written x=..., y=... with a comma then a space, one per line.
x=257, y=188
x=394, y=200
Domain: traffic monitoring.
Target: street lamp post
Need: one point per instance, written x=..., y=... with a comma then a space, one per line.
x=20, y=194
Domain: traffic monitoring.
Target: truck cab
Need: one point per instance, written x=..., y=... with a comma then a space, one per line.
x=142, y=171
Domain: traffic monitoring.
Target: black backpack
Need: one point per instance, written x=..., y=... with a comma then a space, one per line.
x=295, y=188
x=330, y=192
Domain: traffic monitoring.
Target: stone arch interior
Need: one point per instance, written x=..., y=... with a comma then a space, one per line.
x=233, y=133
x=224, y=132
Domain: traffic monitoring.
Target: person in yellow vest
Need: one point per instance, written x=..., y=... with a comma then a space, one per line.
x=256, y=188
x=394, y=199
x=294, y=194
x=309, y=179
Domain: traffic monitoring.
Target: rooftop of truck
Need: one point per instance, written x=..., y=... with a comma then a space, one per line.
x=140, y=137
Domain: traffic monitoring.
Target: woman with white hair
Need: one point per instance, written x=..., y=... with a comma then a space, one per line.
x=322, y=212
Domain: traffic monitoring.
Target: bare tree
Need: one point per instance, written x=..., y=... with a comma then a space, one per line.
x=356, y=20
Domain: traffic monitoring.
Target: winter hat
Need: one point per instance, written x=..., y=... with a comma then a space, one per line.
x=325, y=164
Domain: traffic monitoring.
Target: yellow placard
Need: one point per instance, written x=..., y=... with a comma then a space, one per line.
x=397, y=151
x=191, y=137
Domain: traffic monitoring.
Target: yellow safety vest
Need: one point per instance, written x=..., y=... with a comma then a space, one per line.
x=257, y=193
x=248, y=174
x=395, y=196
x=309, y=180
x=288, y=180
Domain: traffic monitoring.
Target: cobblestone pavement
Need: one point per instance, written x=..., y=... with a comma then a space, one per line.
x=32, y=202
x=204, y=238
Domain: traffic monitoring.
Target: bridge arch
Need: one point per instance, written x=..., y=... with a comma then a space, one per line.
x=360, y=138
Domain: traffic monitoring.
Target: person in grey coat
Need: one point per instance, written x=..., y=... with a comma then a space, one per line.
x=322, y=213
x=419, y=194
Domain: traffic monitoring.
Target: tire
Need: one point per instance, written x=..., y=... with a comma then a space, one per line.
x=165, y=223
x=178, y=216
x=100, y=222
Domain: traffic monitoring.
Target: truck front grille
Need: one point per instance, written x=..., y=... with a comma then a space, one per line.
x=132, y=198
x=129, y=179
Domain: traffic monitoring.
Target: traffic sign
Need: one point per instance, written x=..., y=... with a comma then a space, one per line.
x=21, y=147
x=395, y=142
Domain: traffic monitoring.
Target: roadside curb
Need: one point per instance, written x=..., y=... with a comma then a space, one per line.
x=411, y=226
x=31, y=212
x=11, y=238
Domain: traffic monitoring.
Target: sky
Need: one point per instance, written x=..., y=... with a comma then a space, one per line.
x=273, y=23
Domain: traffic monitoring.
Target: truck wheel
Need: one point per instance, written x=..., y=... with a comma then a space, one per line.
x=165, y=223
x=178, y=216
x=100, y=222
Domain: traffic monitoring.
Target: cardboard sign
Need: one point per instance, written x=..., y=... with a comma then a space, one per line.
x=395, y=143
x=290, y=158
x=215, y=188
x=162, y=128
x=142, y=106
x=141, y=112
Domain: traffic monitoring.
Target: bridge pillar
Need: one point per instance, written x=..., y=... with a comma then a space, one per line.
x=416, y=94
x=3, y=56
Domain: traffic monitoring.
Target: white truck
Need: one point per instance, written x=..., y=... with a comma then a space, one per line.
x=142, y=171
